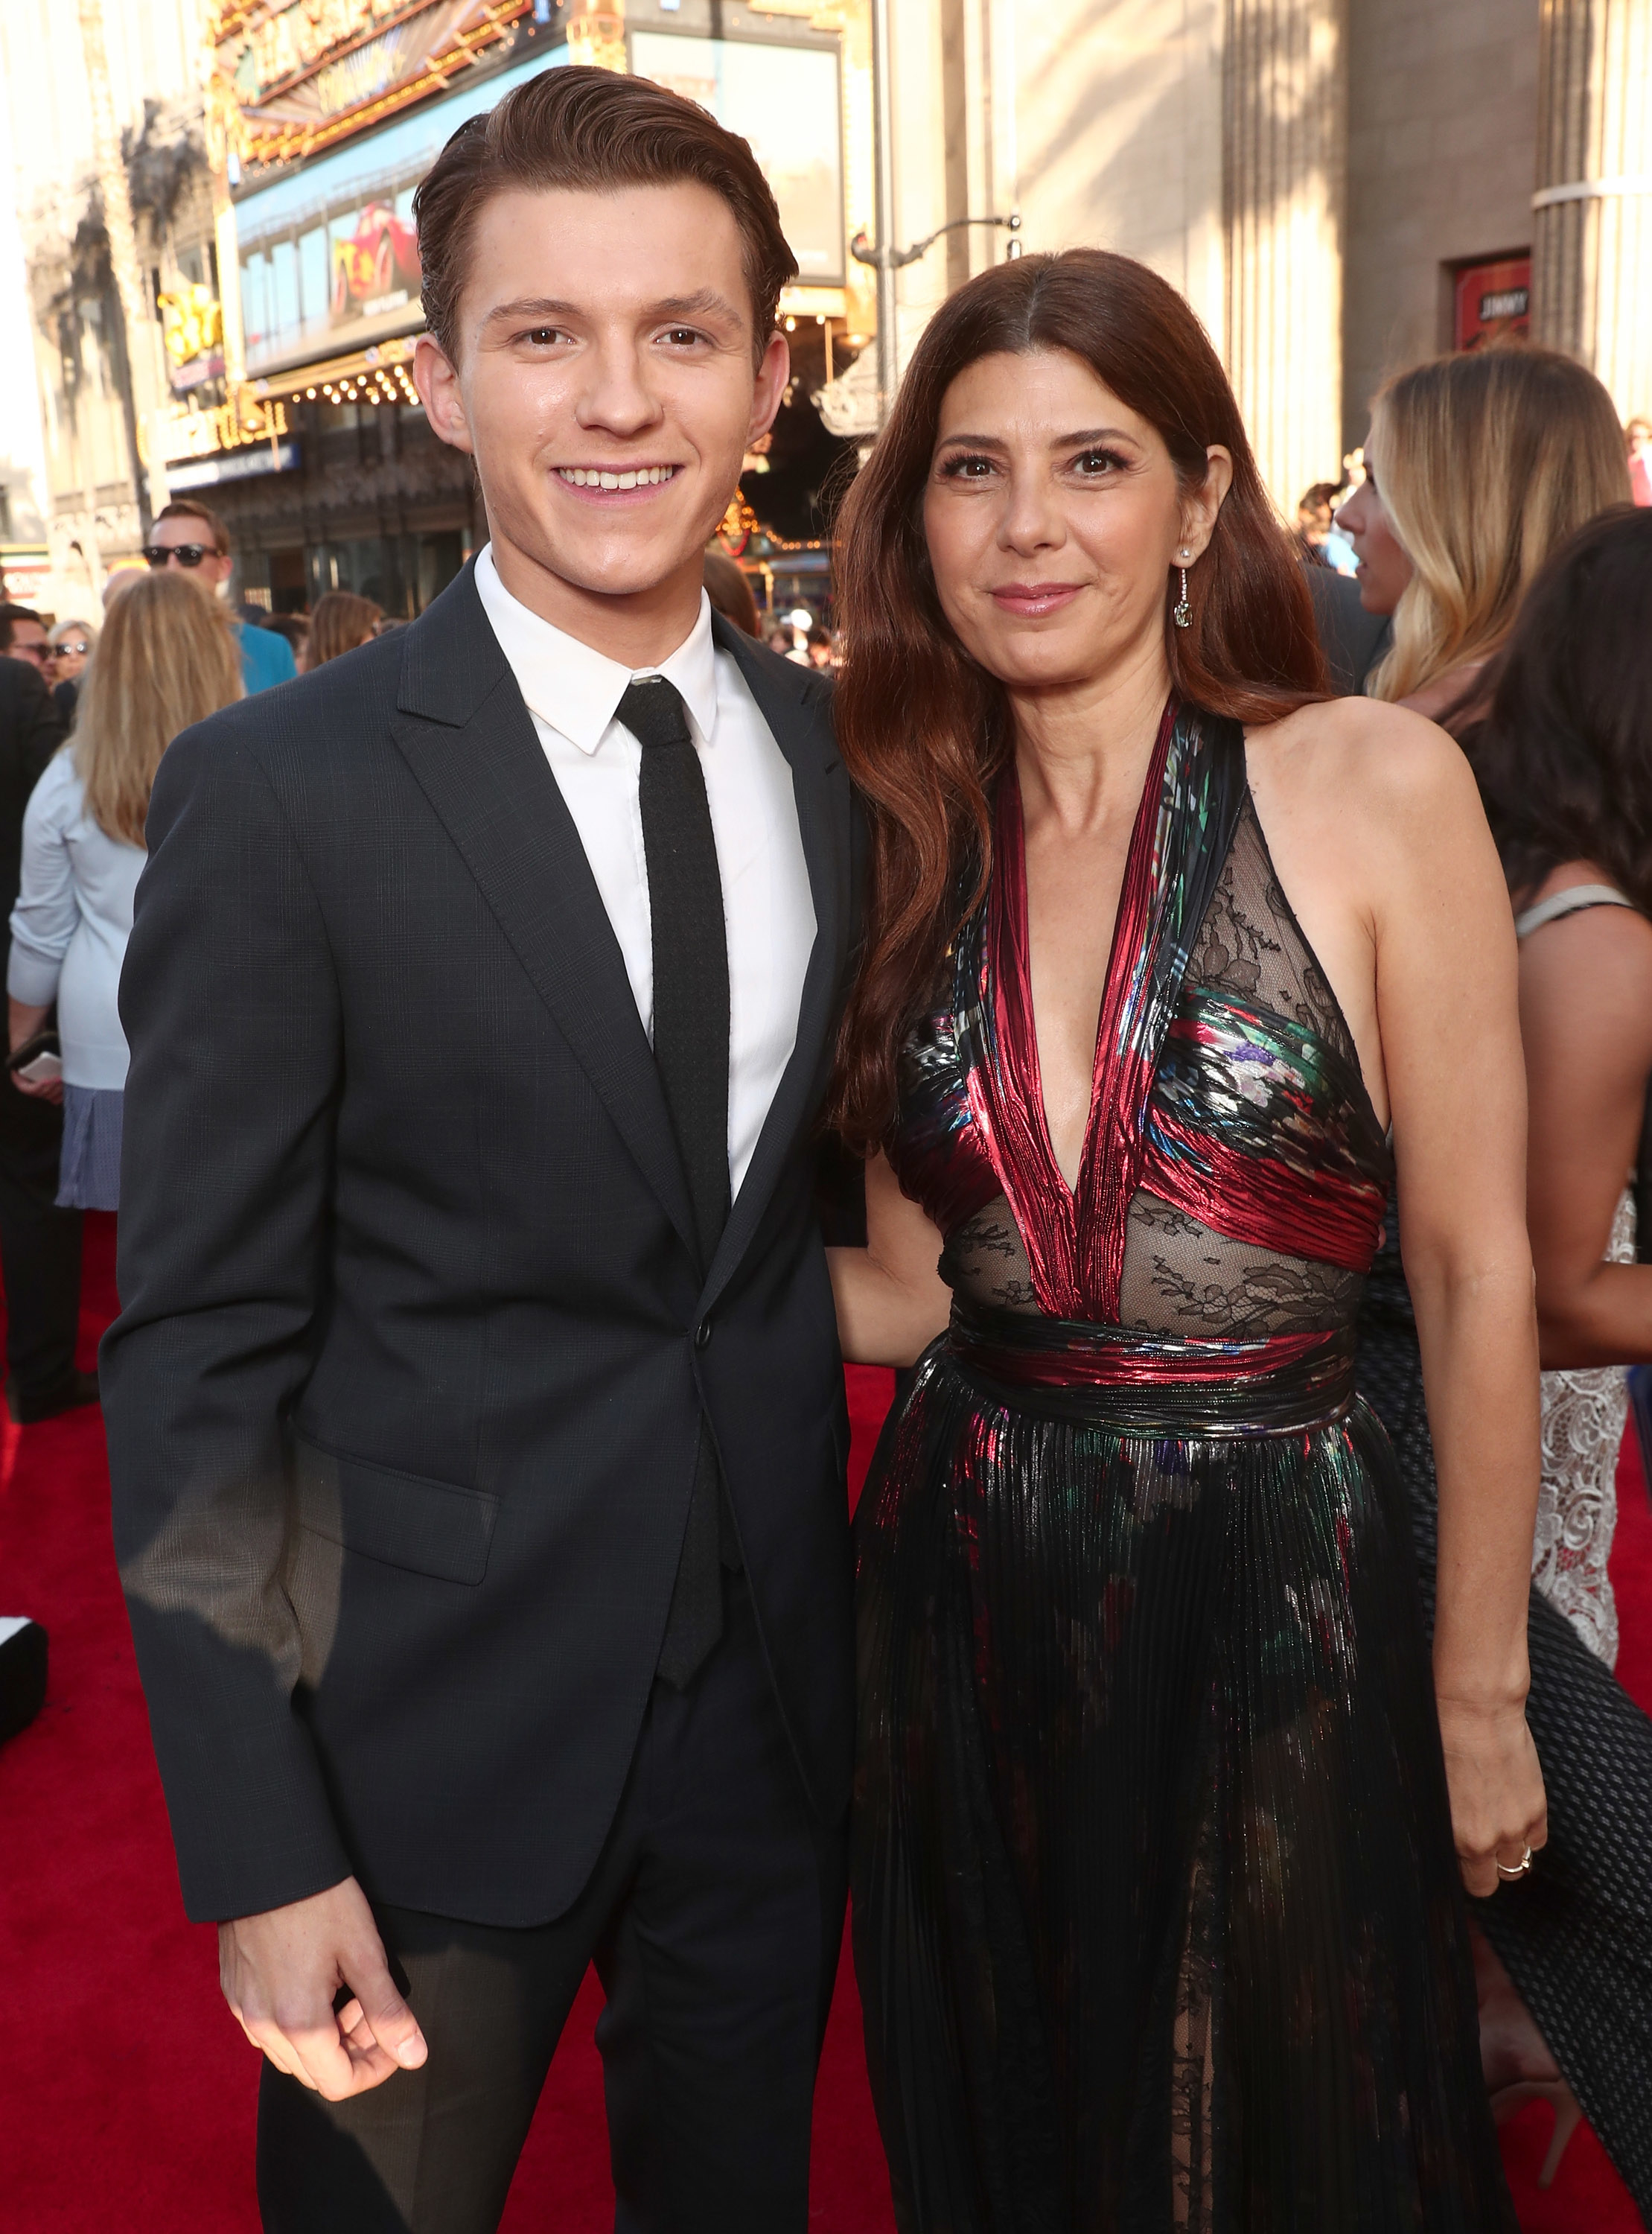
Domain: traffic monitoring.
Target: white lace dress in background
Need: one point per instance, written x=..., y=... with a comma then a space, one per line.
x=1583, y=1413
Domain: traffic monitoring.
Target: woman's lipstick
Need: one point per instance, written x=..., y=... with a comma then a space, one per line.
x=1032, y=600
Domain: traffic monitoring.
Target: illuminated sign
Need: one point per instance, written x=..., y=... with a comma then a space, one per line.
x=285, y=44
x=192, y=326
x=193, y=432
x=293, y=76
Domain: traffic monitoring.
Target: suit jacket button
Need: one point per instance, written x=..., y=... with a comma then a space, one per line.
x=703, y=1333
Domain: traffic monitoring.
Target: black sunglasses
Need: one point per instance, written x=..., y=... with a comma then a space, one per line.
x=71, y=650
x=187, y=554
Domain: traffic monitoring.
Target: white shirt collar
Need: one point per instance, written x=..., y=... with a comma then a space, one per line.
x=577, y=690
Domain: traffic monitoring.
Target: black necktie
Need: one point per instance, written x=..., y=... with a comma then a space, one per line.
x=691, y=1050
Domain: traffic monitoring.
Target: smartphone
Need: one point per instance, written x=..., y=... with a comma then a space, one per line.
x=45, y=1066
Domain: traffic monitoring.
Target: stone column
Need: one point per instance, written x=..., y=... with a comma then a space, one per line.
x=1591, y=261
x=1284, y=162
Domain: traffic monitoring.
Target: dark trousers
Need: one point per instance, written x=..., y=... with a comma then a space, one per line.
x=39, y=1248
x=714, y=1917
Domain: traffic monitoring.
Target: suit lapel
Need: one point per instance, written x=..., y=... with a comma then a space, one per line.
x=470, y=741
x=796, y=708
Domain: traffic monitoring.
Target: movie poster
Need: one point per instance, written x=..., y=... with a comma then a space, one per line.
x=1493, y=303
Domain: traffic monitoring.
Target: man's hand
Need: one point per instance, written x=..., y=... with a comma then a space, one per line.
x=281, y=1973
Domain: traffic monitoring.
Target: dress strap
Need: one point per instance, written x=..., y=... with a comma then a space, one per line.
x=1572, y=901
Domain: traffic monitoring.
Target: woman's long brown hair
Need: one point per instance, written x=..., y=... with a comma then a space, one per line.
x=923, y=731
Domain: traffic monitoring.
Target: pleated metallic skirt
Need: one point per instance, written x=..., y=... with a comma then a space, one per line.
x=1157, y=1918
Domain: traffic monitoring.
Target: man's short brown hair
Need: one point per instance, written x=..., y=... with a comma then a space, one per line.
x=186, y=507
x=591, y=130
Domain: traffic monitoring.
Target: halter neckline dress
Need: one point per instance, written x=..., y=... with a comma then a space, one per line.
x=1158, y=1920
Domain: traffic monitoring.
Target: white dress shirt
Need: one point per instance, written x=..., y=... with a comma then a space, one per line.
x=572, y=693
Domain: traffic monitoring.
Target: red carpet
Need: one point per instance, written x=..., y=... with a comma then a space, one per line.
x=126, y=2092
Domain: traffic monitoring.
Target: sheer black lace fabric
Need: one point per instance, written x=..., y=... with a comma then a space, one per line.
x=1181, y=1276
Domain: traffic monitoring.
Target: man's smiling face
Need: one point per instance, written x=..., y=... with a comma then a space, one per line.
x=606, y=387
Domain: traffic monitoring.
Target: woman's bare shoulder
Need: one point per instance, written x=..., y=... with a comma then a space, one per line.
x=1360, y=759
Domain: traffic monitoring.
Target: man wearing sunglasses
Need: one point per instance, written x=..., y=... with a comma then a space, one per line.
x=189, y=536
x=22, y=636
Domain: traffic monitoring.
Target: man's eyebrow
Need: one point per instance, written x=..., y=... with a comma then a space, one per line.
x=706, y=301
x=540, y=308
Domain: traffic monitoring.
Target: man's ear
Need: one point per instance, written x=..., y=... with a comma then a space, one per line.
x=771, y=376
x=442, y=396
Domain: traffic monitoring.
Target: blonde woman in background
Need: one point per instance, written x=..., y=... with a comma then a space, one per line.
x=1477, y=468
x=72, y=644
x=342, y=621
x=166, y=658
x=1481, y=468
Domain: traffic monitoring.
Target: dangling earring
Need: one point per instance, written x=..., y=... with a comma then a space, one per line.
x=1182, y=614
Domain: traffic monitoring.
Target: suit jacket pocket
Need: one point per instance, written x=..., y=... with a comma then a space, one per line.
x=436, y=1528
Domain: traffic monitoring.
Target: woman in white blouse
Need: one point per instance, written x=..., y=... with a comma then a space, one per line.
x=166, y=658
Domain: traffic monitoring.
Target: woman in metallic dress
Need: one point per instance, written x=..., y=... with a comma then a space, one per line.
x=1170, y=968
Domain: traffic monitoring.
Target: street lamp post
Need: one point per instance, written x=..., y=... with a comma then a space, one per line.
x=886, y=260
x=883, y=130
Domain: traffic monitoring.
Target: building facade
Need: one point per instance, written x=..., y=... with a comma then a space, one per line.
x=219, y=280
x=222, y=292
x=1340, y=188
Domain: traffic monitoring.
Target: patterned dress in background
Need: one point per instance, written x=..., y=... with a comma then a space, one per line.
x=1158, y=1921
x=1585, y=1410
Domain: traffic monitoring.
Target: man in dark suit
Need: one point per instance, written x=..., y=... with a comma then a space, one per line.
x=476, y=1417
x=40, y=1245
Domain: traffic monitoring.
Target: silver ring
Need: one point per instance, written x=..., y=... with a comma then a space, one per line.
x=1520, y=1867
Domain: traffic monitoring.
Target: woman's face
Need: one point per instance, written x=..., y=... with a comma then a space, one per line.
x=1384, y=569
x=1054, y=515
x=69, y=657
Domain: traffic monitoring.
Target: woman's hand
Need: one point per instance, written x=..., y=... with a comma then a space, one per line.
x=1497, y=1806
x=39, y=1089
x=892, y=1302
x=25, y=1021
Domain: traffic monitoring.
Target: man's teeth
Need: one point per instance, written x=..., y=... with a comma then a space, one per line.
x=645, y=477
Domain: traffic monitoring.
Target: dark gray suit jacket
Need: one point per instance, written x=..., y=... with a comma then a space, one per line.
x=404, y=1397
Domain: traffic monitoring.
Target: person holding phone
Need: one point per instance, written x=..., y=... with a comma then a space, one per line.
x=40, y=1245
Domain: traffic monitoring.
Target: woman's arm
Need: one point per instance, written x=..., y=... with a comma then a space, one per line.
x=42, y=923
x=1448, y=1016
x=1586, y=1021
x=892, y=1302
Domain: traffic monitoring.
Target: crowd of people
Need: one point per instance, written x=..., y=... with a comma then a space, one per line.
x=1249, y=998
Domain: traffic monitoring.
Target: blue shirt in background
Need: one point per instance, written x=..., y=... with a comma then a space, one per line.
x=266, y=658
